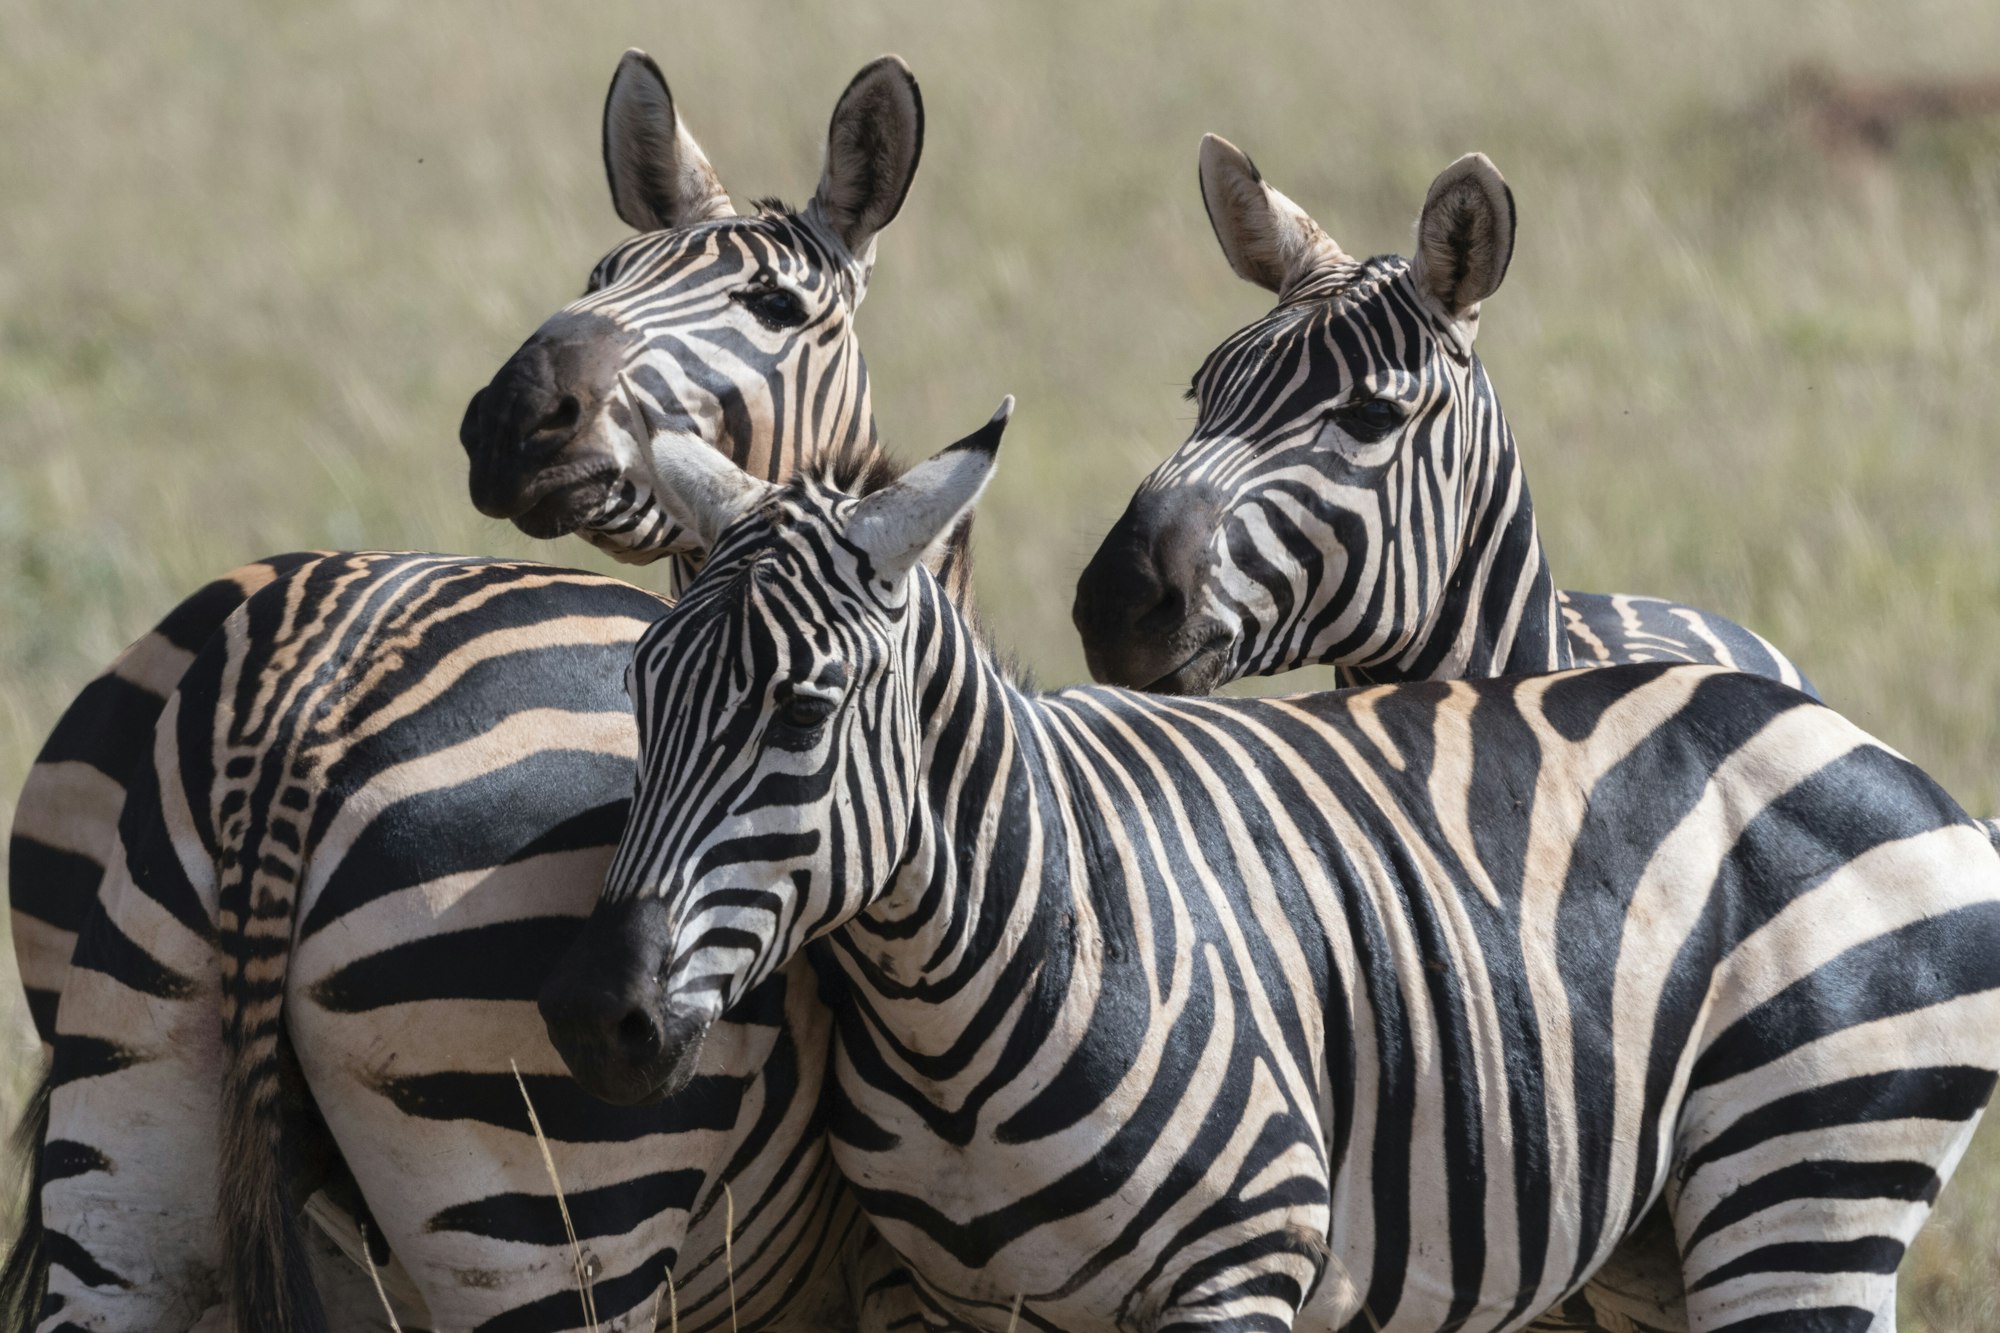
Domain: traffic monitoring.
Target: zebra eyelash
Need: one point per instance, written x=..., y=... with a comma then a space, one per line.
x=1367, y=420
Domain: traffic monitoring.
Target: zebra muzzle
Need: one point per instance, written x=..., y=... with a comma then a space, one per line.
x=606, y=1012
x=1138, y=601
x=528, y=435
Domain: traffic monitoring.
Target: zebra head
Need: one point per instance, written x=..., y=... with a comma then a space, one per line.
x=1339, y=459
x=778, y=753
x=733, y=331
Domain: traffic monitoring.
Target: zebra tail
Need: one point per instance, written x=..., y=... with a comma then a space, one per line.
x=267, y=1266
x=24, y=1278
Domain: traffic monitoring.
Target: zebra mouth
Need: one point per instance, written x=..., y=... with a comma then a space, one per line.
x=559, y=506
x=1198, y=672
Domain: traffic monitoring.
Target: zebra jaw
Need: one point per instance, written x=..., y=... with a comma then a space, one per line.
x=1199, y=672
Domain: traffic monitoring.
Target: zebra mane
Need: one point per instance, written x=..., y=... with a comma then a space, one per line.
x=772, y=206
x=1348, y=282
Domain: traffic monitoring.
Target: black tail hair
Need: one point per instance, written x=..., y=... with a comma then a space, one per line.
x=24, y=1278
x=268, y=1274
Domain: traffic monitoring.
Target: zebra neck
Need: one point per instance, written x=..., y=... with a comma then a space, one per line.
x=967, y=916
x=1499, y=615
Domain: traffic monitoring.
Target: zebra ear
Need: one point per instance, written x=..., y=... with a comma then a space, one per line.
x=1268, y=239
x=659, y=176
x=902, y=523
x=1465, y=236
x=701, y=488
x=872, y=147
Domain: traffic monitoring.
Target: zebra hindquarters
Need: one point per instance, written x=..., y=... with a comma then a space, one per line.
x=1848, y=1052
x=411, y=1006
x=131, y=1156
x=410, y=1017
x=67, y=815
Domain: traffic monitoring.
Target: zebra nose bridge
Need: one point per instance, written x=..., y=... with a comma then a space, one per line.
x=1150, y=567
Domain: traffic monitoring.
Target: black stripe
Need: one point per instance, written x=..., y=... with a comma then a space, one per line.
x=1912, y=1182
x=50, y=884
x=609, y=1210
x=568, y=1114
x=65, y=1253
x=1925, y=963
x=507, y=960
x=109, y=727
x=1866, y=1254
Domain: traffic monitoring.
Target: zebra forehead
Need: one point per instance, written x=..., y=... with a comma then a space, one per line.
x=790, y=537
x=783, y=240
x=1351, y=291
x=1335, y=319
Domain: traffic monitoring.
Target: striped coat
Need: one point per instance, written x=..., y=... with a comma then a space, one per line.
x=1392, y=1008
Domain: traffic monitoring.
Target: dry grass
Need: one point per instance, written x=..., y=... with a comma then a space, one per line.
x=253, y=259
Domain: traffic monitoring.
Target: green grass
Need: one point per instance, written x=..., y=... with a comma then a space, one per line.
x=254, y=258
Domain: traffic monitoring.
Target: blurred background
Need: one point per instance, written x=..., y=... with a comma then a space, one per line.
x=255, y=257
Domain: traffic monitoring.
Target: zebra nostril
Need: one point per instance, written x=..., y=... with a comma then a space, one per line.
x=562, y=418
x=638, y=1034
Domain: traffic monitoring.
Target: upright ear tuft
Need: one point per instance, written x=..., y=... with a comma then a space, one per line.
x=902, y=523
x=699, y=486
x=1267, y=239
x=872, y=147
x=659, y=176
x=1465, y=235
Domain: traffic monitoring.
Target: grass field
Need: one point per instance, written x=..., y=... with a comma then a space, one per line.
x=254, y=258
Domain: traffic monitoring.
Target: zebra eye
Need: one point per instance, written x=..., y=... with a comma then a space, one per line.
x=773, y=306
x=1368, y=419
x=806, y=712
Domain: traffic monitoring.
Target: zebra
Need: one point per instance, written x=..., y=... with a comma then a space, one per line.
x=335, y=754
x=1351, y=493
x=1392, y=1007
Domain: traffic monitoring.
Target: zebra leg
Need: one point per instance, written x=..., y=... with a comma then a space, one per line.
x=129, y=1165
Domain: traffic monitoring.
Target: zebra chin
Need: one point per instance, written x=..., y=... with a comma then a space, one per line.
x=1192, y=661
x=606, y=1012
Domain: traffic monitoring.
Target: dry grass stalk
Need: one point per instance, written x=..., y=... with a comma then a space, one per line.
x=549, y=1162
x=1014, y=1319
x=368, y=1258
